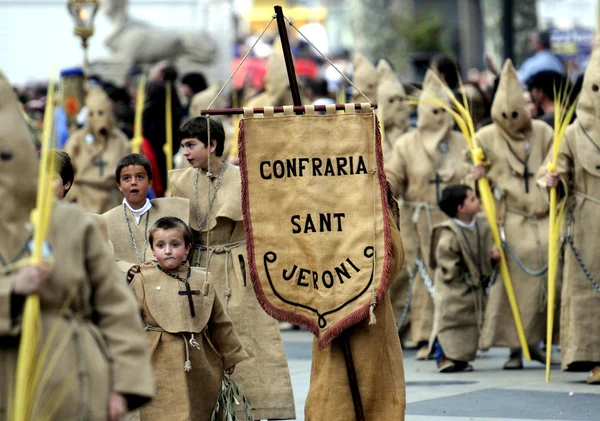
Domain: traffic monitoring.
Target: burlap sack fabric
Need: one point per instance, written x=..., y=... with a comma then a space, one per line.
x=314, y=200
x=525, y=213
x=578, y=164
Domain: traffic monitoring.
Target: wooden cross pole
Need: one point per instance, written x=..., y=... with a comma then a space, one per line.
x=343, y=337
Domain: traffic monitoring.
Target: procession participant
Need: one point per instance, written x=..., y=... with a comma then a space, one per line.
x=94, y=151
x=577, y=177
x=64, y=174
x=128, y=223
x=515, y=146
x=393, y=107
x=191, y=339
x=264, y=377
x=461, y=254
x=89, y=320
x=422, y=161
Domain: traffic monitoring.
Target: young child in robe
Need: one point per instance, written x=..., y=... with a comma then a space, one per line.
x=462, y=251
x=127, y=224
x=192, y=341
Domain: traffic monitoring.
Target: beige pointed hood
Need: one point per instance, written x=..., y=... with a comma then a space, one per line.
x=18, y=172
x=202, y=100
x=365, y=79
x=588, y=107
x=433, y=121
x=277, y=84
x=391, y=99
x=509, y=110
x=99, y=113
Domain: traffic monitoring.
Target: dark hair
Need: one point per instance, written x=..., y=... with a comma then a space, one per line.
x=452, y=197
x=196, y=128
x=548, y=82
x=195, y=81
x=449, y=68
x=64, y=167
x=167, y=223
x=133, y=159
x=543, y=38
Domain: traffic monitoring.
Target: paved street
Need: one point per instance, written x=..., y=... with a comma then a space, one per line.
x=486, y=394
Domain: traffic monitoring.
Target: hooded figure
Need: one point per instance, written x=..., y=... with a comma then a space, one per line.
x=365, y=79
x=515, y=147
x=393, y=109
x=84, y=302
x=421, y=163
x=95, y=151
x=579, y=169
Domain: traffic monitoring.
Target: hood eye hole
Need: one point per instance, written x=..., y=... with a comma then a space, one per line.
x=5, y=155
x=515, y=114
x=595, y=87
x=91, y=113
x=504, y=115
x=436, y=110
x=442, y=110
x=100, y=113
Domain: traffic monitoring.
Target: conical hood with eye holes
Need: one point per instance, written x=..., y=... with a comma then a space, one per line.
x=391, y=98
x=365, y=79
x=433, y=121
x=18, y=173
x=509, y=110
x=588, y=106
x=99, y=113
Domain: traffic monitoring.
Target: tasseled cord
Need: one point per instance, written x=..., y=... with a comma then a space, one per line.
x=187, y=366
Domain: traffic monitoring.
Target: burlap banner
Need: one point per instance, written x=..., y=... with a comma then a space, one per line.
x=315, y=212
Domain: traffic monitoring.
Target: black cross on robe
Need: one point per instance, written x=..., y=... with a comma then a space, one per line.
x=437, y=181
x=100, y=163
x=527, y=175
x=189, y=294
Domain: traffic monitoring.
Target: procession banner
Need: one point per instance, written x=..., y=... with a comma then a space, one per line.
x=316, y=215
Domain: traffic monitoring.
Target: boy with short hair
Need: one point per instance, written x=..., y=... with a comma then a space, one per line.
x=462, y=251
x=191, y=339
x=264, y=377
x=128, y=223
x=64, y=172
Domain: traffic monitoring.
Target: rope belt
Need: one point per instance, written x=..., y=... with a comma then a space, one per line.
x=219, y=249
x=533, y=220
x=187, y=366
x=586, y=197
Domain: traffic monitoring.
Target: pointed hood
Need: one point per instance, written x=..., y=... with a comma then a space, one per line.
x=18, y=170
x=433, y=121
x=588, y=106
x=509, y=110
x=365, y=78
x=202, y=100
x=391, y=98
x=99, y=113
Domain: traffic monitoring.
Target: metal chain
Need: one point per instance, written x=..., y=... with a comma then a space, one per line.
x=584, y=268
x=137, y=252
x=491, y=282
x=528, y=271
x=411, y=280
x=212, y=199
x=426, y=279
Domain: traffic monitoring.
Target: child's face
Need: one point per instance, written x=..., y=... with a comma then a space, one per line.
x=471, y=205
x=168, y=246
x=196, y=153
x=134, y=185
x=60, y=187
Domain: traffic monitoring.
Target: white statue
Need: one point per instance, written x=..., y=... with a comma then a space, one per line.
x=133, y=41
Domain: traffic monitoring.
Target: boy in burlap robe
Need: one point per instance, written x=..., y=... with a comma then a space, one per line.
x=577, y=176
x=461, y=253
x=94, y=151
x=128, y=223
x=191, y=339
x=515, y=147
x=421, y=162
x=102, y=367
x=264, y=377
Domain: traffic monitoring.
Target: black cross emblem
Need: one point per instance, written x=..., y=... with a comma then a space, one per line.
x=437, y=181
x=189, y=294
x=100, y=163
x=527, y=175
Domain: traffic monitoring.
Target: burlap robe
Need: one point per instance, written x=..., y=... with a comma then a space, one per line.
x=526, y=230
x=264, y=376
x=99, y=355
x=378, y=363
x=410, y=170
x=95, y=189
x=459, y=258
x=120, y=237
x=579, y=315
x=184, y=395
